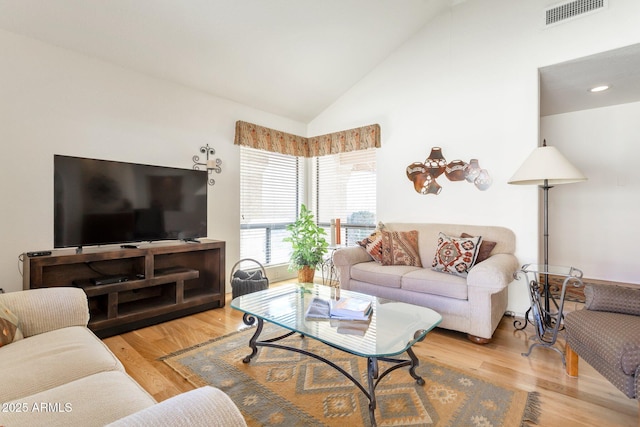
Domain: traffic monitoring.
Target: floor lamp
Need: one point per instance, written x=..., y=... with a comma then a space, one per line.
x=546, y=167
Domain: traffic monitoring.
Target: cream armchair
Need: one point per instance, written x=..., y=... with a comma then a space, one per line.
x=60, y=362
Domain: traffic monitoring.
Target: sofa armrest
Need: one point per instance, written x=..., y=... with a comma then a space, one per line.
x=45, y=309
x=205, y=406
x=496, y=272
x=344, y=258
x=350, y=255
x=615, y=299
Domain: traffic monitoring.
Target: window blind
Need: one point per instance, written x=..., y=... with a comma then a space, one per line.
x=271, y=187
x=344, y=186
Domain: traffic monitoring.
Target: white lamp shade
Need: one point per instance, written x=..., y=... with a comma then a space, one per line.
x=546, y=163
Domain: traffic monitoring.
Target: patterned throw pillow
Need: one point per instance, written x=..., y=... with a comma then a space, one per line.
x=400, y=248
x=456, y=255
x=9, y=331
x=373, y=243
x=485, y=248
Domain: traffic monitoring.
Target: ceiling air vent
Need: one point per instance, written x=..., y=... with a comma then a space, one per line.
x=569, y=10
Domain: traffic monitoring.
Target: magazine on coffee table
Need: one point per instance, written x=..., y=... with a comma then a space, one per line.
x=350, y=308
x=344, y=308
x=351, y=327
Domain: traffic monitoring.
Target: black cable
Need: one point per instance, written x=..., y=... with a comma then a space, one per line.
x=20, y=262
x=102, y=273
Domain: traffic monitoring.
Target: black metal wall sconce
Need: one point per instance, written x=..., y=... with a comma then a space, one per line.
x=424, y=174
x=210, y=163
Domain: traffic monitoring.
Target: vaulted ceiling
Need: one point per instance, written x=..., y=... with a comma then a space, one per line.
x=288, y=57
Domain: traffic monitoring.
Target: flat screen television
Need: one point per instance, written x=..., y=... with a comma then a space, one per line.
x=99, y=202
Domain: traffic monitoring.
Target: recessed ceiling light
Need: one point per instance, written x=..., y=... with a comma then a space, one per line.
x=599, y=88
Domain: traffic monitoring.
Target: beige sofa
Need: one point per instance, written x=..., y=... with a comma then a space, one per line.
x=61, y=374
x=473, y=304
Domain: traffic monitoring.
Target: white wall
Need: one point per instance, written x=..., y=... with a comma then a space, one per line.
x=593, y=225
x=468, y=83
x=54, y=101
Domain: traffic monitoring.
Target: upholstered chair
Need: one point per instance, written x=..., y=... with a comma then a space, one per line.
x=606, y=335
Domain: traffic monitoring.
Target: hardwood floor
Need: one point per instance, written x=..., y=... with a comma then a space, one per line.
x=589, y=400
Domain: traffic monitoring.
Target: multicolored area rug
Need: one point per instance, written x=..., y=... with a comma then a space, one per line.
x=285, y=388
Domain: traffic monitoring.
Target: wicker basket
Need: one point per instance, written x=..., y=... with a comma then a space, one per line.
x=247, y=281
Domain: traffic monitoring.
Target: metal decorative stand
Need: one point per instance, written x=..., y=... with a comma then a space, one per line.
x=329, y=270
x=545, y=312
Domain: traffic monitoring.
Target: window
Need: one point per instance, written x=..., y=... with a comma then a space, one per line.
x=271, y=187
x=344, y=186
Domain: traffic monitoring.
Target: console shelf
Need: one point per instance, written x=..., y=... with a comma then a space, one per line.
x=152, y=283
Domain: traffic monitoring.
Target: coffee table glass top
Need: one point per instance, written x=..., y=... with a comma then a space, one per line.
x=393, y=328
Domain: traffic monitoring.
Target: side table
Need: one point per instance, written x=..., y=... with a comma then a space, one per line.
x=545, y=309
x=328, y=268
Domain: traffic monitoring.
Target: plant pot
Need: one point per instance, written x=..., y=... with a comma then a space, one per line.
x=305, y=274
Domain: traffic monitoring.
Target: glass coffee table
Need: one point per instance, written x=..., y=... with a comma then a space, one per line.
x=393, y=329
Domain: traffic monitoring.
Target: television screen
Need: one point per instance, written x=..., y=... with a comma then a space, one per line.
x=103, y=202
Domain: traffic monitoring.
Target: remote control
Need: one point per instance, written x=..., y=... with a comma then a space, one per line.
x=38, y=253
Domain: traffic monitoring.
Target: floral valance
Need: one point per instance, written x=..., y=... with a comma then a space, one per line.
x=262, y=138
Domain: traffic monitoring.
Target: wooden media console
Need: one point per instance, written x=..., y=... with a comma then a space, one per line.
x=136, y=287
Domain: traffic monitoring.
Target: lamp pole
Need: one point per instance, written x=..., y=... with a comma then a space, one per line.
x=545, y=247
x=544, y=166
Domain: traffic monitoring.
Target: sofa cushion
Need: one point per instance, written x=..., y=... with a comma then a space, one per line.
x=203, y=406
x=48, y=360
x=617, y=299
x=613, y=337
x=94, y=400
x=9, y=330
x=428, y=235
x=45, y=309
x=456, y=255
x=384, y=275
x=373, y=243
x=486, y=246
x=400, y=248
x=432, y=282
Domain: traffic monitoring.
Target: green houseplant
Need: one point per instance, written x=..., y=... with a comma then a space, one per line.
x=308, y=244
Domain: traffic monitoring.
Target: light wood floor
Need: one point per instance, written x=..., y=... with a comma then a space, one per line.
x=588, y=400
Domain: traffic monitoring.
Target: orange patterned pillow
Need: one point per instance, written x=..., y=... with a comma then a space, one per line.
x=373, y=243
x=400, y=248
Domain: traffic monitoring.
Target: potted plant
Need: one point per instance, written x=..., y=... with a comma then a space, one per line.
x=308, y=244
